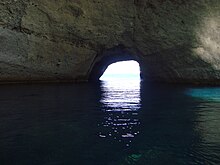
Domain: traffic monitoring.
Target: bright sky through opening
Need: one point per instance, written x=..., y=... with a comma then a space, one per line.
x=124, y=69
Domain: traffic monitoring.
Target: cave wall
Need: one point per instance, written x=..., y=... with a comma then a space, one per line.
x=63, y=40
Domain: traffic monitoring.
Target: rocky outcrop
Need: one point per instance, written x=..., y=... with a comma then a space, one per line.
x=59, y=40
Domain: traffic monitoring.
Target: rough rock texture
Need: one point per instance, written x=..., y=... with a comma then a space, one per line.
x=74, y=40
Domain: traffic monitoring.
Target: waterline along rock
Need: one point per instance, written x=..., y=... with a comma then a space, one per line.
x=174, y=41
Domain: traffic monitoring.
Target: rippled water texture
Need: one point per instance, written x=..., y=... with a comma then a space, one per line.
x=114, y=122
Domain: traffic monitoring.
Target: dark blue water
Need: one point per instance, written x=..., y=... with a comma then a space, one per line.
x=124, y=122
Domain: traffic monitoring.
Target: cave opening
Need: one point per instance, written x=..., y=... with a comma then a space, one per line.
x=120, y=60
x=122, y=70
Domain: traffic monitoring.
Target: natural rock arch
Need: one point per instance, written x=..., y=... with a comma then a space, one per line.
x=155, y=67
x=107, y=58
x=57, y=40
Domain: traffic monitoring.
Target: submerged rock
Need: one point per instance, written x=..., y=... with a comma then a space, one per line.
x=57, y=40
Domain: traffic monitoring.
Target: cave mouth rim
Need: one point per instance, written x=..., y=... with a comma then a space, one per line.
x=122, y=69
x=107, y=57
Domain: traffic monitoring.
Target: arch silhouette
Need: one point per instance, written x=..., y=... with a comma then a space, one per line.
x=109, y=57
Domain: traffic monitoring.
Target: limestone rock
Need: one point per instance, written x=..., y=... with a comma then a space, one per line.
x=59, y=40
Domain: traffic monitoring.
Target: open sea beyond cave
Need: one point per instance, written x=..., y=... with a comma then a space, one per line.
x=113, y=122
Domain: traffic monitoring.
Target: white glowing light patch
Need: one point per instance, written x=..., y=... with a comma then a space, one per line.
x=120, y=69
x=209, y=36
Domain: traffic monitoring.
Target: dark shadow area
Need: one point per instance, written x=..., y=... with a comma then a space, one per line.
x=61, y=124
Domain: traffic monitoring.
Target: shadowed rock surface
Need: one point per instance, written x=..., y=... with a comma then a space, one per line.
x=62, y=40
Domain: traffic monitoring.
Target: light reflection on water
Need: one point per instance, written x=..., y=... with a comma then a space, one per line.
x=57, y=124
x=208, y=112
x=205, y=93
x=120, y=102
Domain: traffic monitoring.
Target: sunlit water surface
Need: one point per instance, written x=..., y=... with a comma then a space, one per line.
x=115, y=122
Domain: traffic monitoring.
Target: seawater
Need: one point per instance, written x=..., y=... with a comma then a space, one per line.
x=112, y=122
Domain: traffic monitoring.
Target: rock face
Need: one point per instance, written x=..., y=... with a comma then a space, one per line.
x=63, y=40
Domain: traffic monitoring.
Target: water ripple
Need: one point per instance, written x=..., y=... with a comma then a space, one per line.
x=120, y=104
